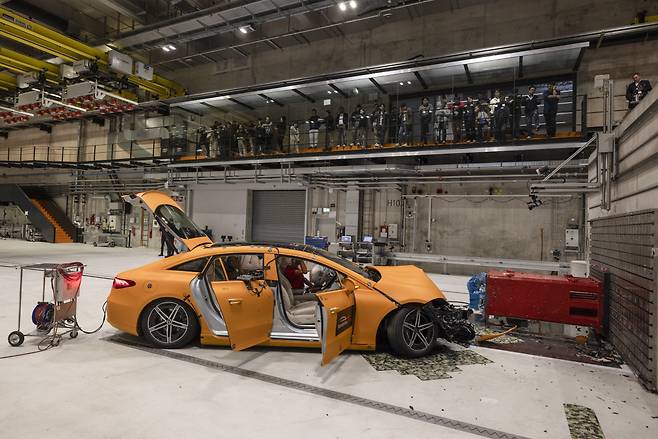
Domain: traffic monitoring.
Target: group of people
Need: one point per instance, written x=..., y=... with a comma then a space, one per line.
x=459, y=119
x=259, y=137
x=482, y=119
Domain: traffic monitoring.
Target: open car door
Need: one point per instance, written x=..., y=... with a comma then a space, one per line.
x=169, y=215
x=335, y=320
x=246, y=304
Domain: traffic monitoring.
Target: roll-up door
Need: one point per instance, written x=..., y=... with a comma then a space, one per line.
x=278, y=216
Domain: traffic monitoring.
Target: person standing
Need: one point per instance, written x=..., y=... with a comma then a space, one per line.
x=268, y=132
x=483, y=120
x=551, y=100
x=441, y=116
x=469, y=119
x=355, y=117
x=362, y=128
x=241, y=134
x=313, y=129
x=341, y=126
x=637, y=90
x=531, y=107
x=404, y=125
x=425, y=112
x=330, y=128
x=379, y=119
x=497, y=106
x=260, y=137
x=457, y=114
x=281, y=126
x=294, y=138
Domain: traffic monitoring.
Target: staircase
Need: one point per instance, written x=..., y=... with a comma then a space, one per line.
x=47, y=209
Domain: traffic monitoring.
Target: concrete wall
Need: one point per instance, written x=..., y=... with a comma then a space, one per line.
x=444, y=27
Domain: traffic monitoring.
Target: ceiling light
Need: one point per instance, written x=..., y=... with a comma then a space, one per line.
x=246, y=28
x=342, y=6
x=353, y=4
x=329, y=91
x=356, y=91
x=409, y=82
x=402, y=83
x=171, y=47
x=166, y=49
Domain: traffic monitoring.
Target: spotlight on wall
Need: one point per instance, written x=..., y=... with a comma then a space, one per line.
x=342, y=6
x=247, y=28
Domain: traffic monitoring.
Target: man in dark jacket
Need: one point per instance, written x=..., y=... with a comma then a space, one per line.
x=551, y=100
x=531, y=106
x=330, y=130
x=637, y=90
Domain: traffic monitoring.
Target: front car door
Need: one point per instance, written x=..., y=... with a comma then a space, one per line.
x=245, y=299
x=169, y=215
x=335, y=320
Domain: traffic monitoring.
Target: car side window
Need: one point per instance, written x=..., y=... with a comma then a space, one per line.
x=195, y=265
x=239, y=264
x=215, y=272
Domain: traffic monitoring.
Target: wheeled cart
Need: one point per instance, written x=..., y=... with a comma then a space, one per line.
x=57, y=318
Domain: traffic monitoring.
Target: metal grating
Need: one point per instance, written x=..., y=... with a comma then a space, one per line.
x=624, y=246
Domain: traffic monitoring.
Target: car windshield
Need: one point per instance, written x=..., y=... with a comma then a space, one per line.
x=368, y=272
x=176, y=220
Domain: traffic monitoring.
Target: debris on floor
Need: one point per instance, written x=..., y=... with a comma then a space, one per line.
x=583, y=423
x=436, y=366
x=496, y=336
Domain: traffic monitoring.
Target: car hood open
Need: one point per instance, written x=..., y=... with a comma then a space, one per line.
x=407, y=283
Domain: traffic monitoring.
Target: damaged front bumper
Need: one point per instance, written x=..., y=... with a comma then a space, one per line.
x=451, y=321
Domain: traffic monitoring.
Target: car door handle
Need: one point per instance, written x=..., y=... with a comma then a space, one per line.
x=234, y=301
x=333, y=310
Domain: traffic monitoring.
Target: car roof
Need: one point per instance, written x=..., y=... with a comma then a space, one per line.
x=265, y=245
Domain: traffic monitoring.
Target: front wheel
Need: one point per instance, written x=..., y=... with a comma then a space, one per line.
x=169, y=323
x=411, y=332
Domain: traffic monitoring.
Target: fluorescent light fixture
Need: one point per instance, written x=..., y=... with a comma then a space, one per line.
x=166, y=49
x=401, y=83
x=342, y=6
x=12, y=110
x=356, y=91
x=171, y=47
x=246, y=28
x=117, y=97
x=353, y=4
x=409, y=82
x=329, y=91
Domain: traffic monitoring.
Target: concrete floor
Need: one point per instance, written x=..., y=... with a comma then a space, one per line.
x=89, y=387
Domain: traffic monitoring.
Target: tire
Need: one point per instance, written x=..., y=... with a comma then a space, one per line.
x=16, y=338
x=161, y=330
x=73, y=333
x=411, y=332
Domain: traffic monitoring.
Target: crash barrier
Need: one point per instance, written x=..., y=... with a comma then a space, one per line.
x=559, y=299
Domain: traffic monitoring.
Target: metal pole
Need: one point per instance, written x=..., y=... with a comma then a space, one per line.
x=43, y=287
x=20, y=298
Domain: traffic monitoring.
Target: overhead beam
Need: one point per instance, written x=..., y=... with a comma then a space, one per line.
x=242, y=104
x=379, y=86
x=420, y=79
x=269, y=99
x=579, y=60
x=25, y=31
x=340, y=91
x=469, y=78
x=304, y=95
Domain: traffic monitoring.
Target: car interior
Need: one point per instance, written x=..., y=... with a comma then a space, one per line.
x=300, y=280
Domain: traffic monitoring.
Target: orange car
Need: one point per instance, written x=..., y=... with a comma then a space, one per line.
x=247, y=294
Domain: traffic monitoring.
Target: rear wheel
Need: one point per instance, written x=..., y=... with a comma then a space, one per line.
x=411, y=332
x=169, y=323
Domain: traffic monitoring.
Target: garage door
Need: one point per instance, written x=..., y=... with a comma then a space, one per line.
x=624, y=246
x=278, y=216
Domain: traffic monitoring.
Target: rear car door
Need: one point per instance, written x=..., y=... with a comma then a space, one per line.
x=169, y=215
x=245, y=299
x=335, y=320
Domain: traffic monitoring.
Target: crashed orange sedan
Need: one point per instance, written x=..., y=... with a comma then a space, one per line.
x=247, y=294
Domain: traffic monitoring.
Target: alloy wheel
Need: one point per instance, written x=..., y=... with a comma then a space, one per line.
x=418, y=330
x=168, y=322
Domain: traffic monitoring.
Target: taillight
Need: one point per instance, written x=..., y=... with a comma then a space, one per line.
x=122, y=283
